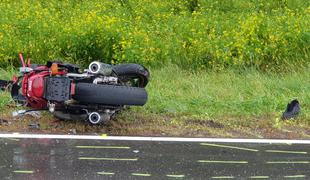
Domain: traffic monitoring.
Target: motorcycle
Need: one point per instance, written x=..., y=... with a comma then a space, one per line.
x=94, y=95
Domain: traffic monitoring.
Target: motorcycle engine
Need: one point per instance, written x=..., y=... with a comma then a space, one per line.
x=106, y=80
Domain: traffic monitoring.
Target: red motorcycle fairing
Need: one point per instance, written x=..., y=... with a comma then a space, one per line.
x=33, y=89
x=33, y=86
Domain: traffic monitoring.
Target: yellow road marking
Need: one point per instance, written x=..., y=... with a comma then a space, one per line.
x=175, y=175
x=140, y=174
x=287, y=162
x=289, y=152
x=105, y=173
x=13, y=139
x=107, y=159
x=259, y=177
x=295, y=176
x=104, y=135
x=23, y=171
x=103, y=147
x=230, y=147
x=223, y=177
x=224, y=162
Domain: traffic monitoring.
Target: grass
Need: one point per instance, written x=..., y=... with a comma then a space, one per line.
x=190, y=33
x=4, y=96
x=226, y=93
x=229, y=103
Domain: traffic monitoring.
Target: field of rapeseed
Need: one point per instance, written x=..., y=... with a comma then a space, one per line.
x=190, y=33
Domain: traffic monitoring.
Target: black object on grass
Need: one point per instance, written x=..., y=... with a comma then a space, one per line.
x=4, y=84
x=292, y=110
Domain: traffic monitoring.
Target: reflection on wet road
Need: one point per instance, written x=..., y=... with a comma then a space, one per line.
x=38, y=159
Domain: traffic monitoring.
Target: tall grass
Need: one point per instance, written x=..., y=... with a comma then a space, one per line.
x=190, y=33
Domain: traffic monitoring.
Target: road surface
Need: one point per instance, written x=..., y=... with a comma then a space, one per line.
x=88, y=157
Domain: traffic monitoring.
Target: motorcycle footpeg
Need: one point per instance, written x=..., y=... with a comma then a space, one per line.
x=18, y=113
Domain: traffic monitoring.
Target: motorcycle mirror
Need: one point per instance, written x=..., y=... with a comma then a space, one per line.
x=22, y=59
x=28, y=62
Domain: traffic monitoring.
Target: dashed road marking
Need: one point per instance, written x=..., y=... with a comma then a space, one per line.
x=106, y=173
x=222, y=177
x=230, y=147
x=259, y=177
x=287, y=162
x=140, y=174
x=103, y=147
x=23, y=172
x=288, y=152
x=223, y=162
x=167, y=139
x=295, y=176
x=108, y=159
x=176, y=175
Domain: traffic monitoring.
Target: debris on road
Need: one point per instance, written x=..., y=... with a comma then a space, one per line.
x=34, y=126
x=19, y=113
x=72, y=131
x=4, y=122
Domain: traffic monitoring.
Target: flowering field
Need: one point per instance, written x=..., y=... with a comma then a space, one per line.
x=190, y=33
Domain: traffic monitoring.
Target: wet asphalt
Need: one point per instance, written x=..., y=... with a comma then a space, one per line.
x=38, y=159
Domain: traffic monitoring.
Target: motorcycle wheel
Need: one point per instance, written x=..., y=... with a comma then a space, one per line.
x=110, y=94
x=135, y=74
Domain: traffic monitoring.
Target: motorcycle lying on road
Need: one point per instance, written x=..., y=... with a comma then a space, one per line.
x=94, y=95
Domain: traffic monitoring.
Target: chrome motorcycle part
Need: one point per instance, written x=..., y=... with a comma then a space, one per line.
x=100, y=68
x=110, y=80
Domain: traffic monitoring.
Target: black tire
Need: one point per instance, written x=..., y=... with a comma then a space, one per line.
x=133, y=71
x=109, y=94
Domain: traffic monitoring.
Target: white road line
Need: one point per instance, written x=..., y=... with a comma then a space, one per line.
x=108, y=159
x=141, y=174
x=287, y=152
x=223, y=177
x=223, y=162
x=176, y=175
x=295, y=176
x=170, y=139
x=229, y=147
x=102, y=147
x=288, y=162
x=106, y=173
x=259, y=177
x=23, y=171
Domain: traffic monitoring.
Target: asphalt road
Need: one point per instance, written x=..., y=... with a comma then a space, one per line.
x=45, y=158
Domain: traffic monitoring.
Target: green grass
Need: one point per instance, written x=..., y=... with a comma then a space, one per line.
x=4, y=96
x=230, y=103
x=215, y=94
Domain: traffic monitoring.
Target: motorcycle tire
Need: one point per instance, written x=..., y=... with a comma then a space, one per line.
x=110, y=94
x=131, y=71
